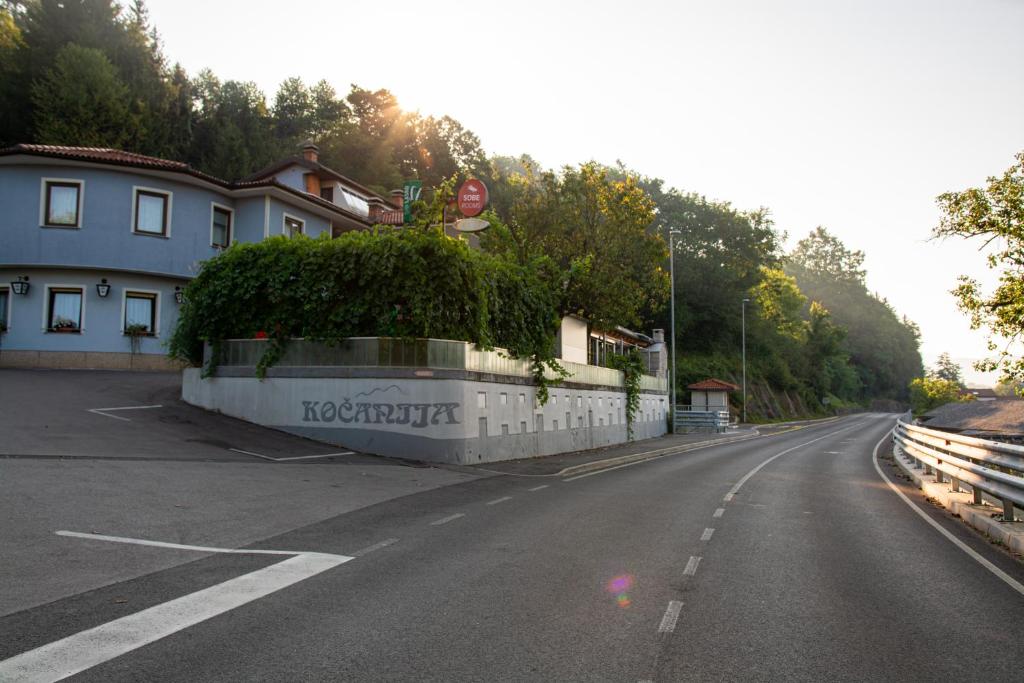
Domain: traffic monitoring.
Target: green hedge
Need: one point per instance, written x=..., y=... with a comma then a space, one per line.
x=385, y=282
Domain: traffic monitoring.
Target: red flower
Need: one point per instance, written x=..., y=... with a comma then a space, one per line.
x=261, y=335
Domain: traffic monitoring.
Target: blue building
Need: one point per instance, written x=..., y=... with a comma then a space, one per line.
x=96, y=245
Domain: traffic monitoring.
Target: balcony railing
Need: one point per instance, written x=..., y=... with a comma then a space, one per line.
x=433, y=354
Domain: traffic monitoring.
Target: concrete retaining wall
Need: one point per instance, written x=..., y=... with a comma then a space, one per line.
x=459, y=421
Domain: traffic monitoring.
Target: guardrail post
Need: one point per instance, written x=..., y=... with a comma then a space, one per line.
x=938, y=475
x=927, y=468
x=1008, y=510
x=954, y=485
x=977, y=495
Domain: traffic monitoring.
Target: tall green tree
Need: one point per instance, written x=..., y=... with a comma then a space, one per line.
x=81, y=101
x=948, y=369
x=994, y=216
x=883, y=347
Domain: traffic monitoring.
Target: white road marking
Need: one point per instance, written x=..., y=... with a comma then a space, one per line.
x=668, y=622
x=682, y=449
x=445, y=520
x=719, y=512
x=376, y=546
x=86, y=649
x=691, y=566
x=1009, y=580
x=735, y=489
x=538, y=488
x=500, y=500
x=311, y=457
x=297, y=457
x=706, y=536
x=175, y=546
x=104, y=411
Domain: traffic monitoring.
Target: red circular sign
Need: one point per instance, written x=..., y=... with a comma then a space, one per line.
x=472, y=197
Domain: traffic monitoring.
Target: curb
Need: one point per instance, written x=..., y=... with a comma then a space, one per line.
x=1010, y=534
x=646, y=455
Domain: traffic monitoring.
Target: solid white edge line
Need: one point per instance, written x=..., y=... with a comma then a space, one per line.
x=668, y=622
x=177, y=546
x=115, y=417
x=376, y=546
x=311, y=457
x=103, y=410
x=706, y=536
x=449, y=518
x=538, y=488
x=1009, y=580
x=691, y=566
x=500, y=500
x=265, y=457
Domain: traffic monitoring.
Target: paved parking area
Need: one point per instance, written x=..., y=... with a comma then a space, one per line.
x=164, y=473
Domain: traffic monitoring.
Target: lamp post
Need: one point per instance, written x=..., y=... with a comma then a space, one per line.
x=672, y=232
x=744, y=332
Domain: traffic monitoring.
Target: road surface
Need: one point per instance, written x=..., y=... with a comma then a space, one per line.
x=780, y=557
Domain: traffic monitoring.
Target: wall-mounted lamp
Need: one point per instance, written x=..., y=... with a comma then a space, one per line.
x=103, y=289
x=179, y=296
x=20, y=286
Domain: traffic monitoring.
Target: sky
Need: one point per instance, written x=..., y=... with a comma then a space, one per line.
x=851, y=115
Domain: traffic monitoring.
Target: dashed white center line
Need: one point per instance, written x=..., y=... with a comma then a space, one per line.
x=691, y=566
x=449, y=518
x=728, y=497
x=538, y=488
x=668, y=622
x=500, y=500
x=719, y=512
x=376, y=546
x=706, y=536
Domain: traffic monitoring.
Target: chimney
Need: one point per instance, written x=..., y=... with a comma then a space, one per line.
x=310, y=152
x=398, y=198
x=658, y=335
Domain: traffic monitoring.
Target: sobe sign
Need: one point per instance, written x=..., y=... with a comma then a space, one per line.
x=472, y=197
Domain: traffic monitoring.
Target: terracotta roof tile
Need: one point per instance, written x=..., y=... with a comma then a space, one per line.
x=712, y=385
x=110, y=156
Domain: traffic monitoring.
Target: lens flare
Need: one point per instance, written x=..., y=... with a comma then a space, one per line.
x=618, y=587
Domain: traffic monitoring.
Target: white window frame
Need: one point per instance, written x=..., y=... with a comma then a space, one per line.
x=156, y=306
x=231, y=224
x=42, y=202
x=135, y=203
x=7, y=313
x=46, y=303
x=284, y=223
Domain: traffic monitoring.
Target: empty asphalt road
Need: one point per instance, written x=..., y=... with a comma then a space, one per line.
x=783, y=557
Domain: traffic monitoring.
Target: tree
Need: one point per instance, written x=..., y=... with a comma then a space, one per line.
x=995, y=215
x=594, y=229
x=81, y=101
x=927, y=393
x=882, y=346
x=947, y=369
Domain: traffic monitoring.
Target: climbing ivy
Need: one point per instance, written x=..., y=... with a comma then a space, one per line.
x=632, y=366
x=384, y=282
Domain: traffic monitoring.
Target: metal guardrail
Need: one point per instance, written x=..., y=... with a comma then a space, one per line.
x=987, y=467
x=438, y=354
x=687, y=420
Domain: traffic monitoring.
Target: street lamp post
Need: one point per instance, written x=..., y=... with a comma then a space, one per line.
x=744, y=329
x=672, y=315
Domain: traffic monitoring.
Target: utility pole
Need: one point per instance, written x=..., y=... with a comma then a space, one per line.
x=672, y=314
x=744, y=328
